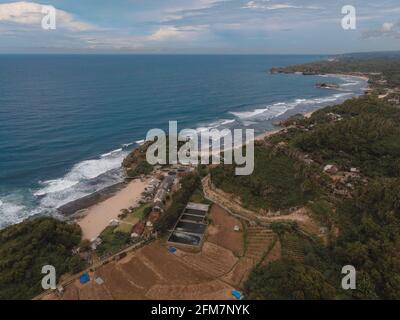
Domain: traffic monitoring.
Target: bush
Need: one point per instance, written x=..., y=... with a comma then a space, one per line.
x=76, y=264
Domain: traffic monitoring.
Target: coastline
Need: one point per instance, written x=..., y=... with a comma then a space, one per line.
x=85, y=206
x=97, y=217
x=362, y=77
x=308, y=114
x=95, y=212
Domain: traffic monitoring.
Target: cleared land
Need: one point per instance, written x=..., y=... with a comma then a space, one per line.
x=152, y=272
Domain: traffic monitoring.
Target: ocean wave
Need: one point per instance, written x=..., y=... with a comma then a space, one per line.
x=83, y=179
x=225, y=122
x=349, y=84
x=277, y=109
x=127, y=145
x=11, y=212
x=269, y=112
x=111, y=153
x=139, y=142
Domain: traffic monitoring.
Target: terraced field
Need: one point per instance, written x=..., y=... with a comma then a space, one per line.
x=228, y=254
x=292, y=247
x=259, y=240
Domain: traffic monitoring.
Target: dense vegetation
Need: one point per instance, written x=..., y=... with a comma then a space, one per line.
x=135, y=164
x=377, y=66
x=288, y=279
x=26, y=247
x=369, y=240
x=367, y=137
x=278, y=181
x=362, y=133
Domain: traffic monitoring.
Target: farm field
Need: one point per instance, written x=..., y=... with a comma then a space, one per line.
x=152, y=272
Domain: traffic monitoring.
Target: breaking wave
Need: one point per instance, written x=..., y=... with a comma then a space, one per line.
x=277, y=109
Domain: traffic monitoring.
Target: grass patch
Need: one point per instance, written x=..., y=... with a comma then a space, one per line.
x=134, y=217
x=142, y=211
x=198, y=197
x=112, y=241
x=125, y=227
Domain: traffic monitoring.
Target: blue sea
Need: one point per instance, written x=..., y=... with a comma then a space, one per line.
x=67, y=121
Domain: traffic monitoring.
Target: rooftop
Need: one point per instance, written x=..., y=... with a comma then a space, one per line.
x=198, y=206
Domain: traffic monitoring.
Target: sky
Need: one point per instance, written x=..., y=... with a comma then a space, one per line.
x=199, y=26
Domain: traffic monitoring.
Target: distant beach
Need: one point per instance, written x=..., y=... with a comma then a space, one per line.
x=98, y=217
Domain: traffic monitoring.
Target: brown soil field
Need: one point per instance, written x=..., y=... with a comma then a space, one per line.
x=275, y=253
x=221, y=231
x=152, y=272
x=240, y=272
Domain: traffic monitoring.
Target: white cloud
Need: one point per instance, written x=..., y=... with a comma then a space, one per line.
x=264, y=5
x=387, y=27
x=30, y=13
x=166, y=33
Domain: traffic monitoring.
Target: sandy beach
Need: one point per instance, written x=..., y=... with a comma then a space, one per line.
x=266, y=134
x=363, y=77
x=98, y=216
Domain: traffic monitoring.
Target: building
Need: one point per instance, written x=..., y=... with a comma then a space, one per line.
x=162, y=192
x=152, y=218
x=113, y=222
x=137, y=230
x=331, y=169
x=354, y=170
x=95, y=243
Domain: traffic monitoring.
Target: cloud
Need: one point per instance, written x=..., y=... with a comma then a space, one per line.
x=267, y=5
x=388, y=29
x=30, y=14
x=264, y=5
x=167, y=33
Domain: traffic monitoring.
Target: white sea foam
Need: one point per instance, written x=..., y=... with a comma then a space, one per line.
x=269, y=112
x=139, y=142
x=126, y=145
x=111, y=153
x=278, y=109
x=225, y=122
x=11, y=212
x=84, y=178
x=349, y=84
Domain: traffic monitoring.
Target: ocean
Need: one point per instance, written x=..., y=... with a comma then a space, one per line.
x=67, y=121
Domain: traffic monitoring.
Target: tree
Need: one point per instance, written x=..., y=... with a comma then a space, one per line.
x=288, y=279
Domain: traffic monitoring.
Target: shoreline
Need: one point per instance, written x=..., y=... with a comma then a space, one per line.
x=98, y=216
x=362, y=77
x=89, y=205
x=308, y=114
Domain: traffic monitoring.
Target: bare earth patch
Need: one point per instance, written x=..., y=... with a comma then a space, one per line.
x=152, y=272
x=221, y=231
